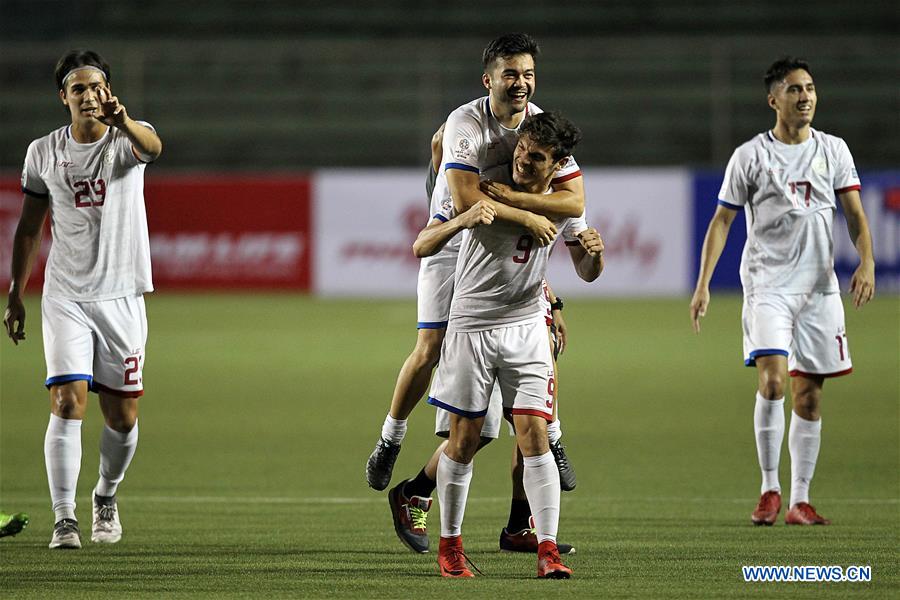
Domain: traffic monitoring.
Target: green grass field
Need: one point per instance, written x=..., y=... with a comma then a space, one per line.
x=260, y=412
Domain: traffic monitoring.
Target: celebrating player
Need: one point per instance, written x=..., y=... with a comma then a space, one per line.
x=497, y=334
x=89, y=176
x=482, y=138
x=786, y=180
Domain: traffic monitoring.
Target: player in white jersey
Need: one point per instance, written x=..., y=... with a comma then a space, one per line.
x=478, y=136
x=786, y=181
x=89, y=177
x=496, y=333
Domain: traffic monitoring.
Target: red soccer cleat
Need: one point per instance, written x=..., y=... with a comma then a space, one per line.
x=767, y=509
x=803, y=513
x=550, y=564
x=452, y=559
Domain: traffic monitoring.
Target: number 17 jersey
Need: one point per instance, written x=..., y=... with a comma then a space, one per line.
x=101, y=247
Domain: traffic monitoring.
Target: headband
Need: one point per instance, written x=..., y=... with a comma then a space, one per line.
x=83, y=68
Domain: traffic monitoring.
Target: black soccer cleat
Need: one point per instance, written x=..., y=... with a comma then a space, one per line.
x=380, y=465
x=567, y=480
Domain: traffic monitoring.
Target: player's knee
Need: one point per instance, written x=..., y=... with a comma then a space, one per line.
x=123, y=423
x=772, y=386
x=806, y=404
x=66, y=402
x=463, y=447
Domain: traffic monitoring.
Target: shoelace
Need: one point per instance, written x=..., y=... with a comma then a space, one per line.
x=561, y=459
x=387, y=456
x=468, y=560
x=418, y=517
x=106, y=512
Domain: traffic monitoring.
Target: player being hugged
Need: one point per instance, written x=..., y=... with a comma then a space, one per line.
x=786, y=180
x=89, y=176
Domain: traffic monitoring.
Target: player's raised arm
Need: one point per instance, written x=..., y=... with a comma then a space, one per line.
x=146, y=143
x=713, y=244
x=431, y=239
x=26, y=244
x=566, y=201
x=465, y=191
x=587, y=255
x=862, y=284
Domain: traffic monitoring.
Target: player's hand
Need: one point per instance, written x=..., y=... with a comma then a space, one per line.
x=862, y=284
x=562, y=330
x=14, y=319
x=497, y=191
x=481, y=213
x=591, y=241
x=542, y=229
x=699, y=304
x=110, y=112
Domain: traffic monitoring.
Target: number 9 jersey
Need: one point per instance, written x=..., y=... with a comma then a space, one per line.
x=101, y=248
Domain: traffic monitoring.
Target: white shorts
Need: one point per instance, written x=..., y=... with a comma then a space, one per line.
x=435, y=291
x=100, y=342
x=518, y=358
x=493, y=420
x=806, y=328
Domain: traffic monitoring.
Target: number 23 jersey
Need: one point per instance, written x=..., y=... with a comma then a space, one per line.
x=788, y=192
x=101, y=247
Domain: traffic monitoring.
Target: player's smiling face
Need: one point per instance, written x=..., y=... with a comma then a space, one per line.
x=533, y=165
x=794, y=98
x=510, y=81
x=82, y=94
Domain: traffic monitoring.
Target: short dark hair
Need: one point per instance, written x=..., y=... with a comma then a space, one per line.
x=508, y=45
x=781, y=67
x=79, y=58
x=553, y=130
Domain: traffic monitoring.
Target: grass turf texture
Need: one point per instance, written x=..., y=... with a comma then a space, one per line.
x=261, y=410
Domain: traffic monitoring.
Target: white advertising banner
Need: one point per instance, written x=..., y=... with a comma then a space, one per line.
x=365, y=222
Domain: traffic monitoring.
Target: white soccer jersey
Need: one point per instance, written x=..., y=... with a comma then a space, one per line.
x=788, y=195
x=101, y=248
x=500, y=274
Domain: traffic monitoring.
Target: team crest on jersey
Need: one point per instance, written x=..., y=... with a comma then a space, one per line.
x=108, y=156
x=819, y=166
x=65, y=164
x=446, y=204
x=463, y=149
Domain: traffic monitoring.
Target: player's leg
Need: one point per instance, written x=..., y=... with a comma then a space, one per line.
x=820, y=351
x=12, y=524
x=567, y=478
x=68, y=350
x=526, y=376
x=118, y=379
x=768, y=326
x=454, y=474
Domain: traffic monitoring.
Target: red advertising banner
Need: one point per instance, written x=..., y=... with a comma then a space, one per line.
x=208, y=232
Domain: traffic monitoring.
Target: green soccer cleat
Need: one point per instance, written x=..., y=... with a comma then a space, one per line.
x=12, y=524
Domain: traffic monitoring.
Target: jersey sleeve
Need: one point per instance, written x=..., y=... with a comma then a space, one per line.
x=846, y=179
x=128, y=153
x=32, y=182
x=571, y=230
x=734, y=191
x=462, y=142
x=568, y=171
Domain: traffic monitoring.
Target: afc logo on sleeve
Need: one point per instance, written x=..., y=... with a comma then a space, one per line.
x=463, y=149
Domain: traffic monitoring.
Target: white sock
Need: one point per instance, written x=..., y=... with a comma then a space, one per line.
x=768, y=424
x=453, y=480
x=393, y=430
x=554, y=431
x=804, y=439
x=62, y=454
x=541, y=480
x=116, y=451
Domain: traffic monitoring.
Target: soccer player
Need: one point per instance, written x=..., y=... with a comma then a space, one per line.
x=786, y=180
x=484, y=139
x=497, y=334
x=89, y=176
x=12, y=524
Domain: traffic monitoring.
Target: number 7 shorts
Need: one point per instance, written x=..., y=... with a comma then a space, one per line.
x=516, y=357
x=806, y=328
x=101, y=342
